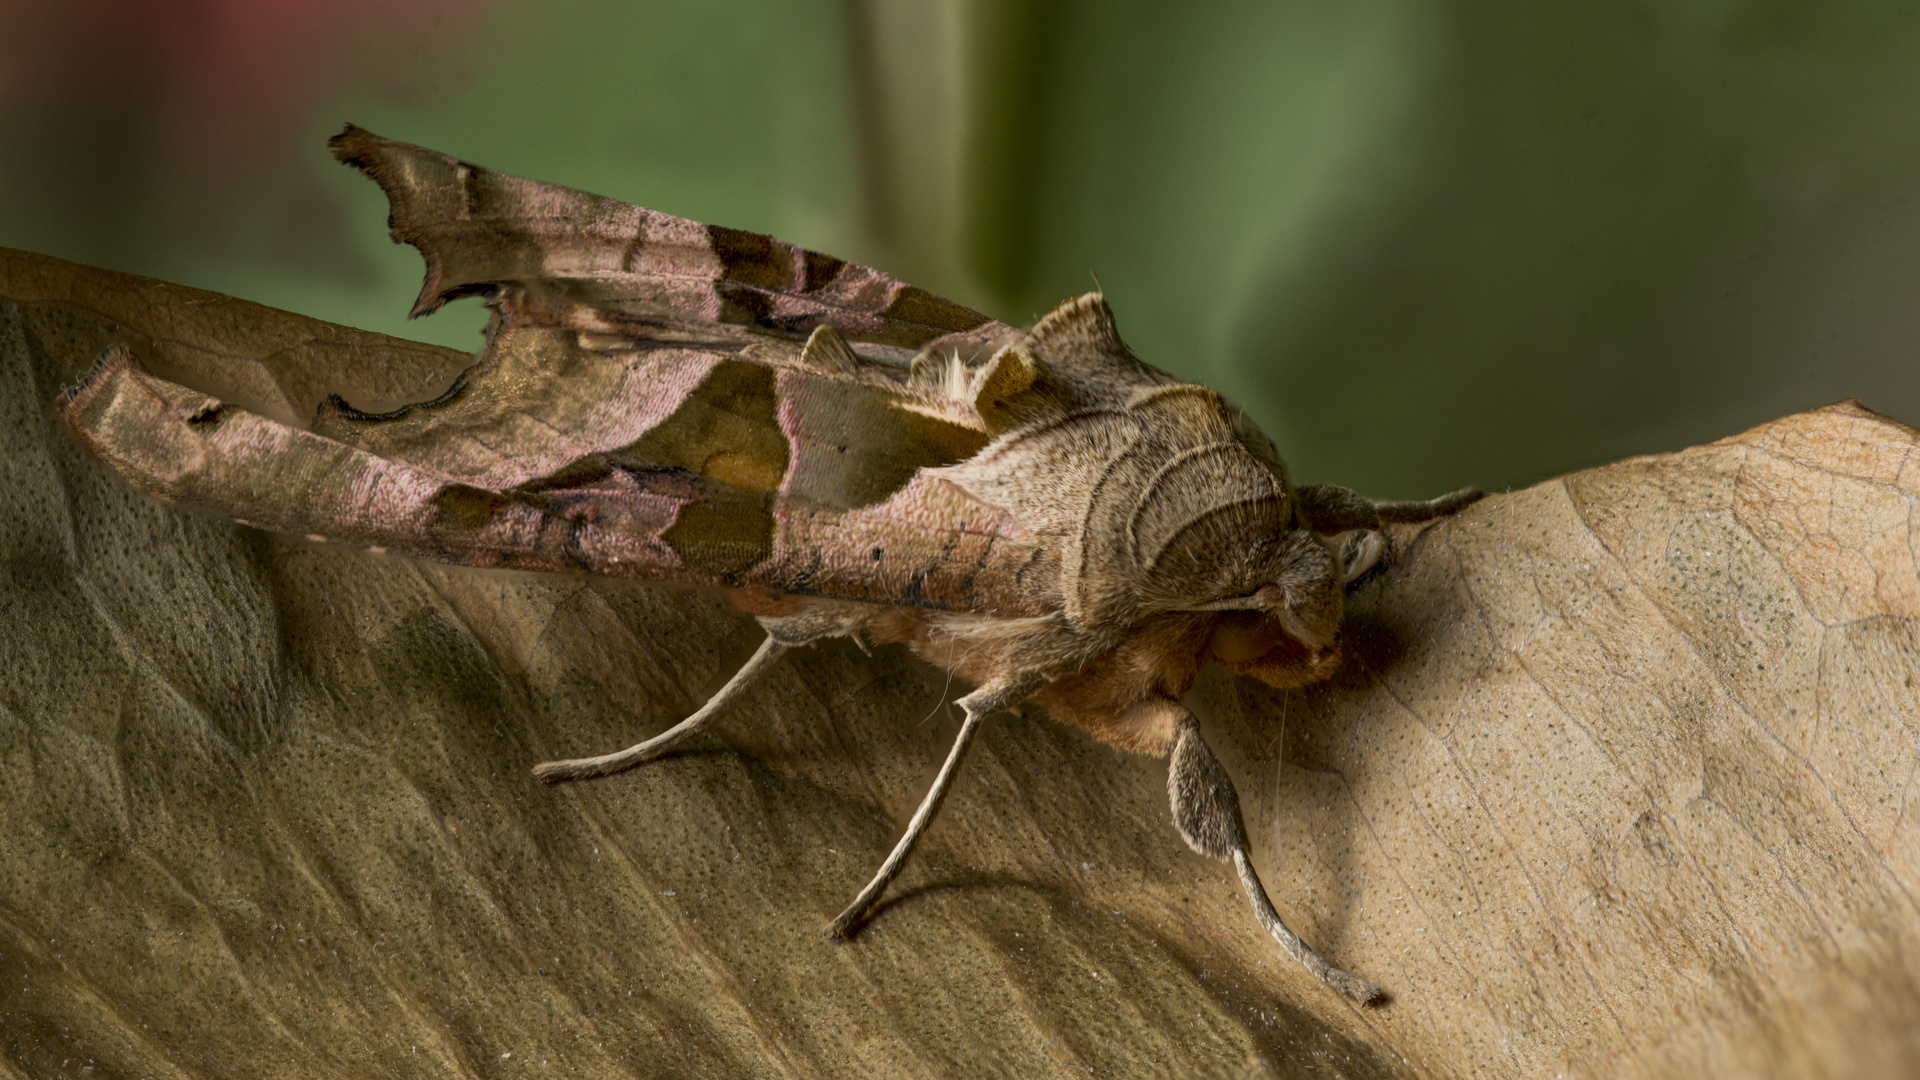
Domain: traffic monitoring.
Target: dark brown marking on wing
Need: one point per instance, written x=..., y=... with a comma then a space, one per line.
x=488, y=233
x=822, y=270
x=752, y=259
x=464, y=509
x=749, y=306
x=918, y=307
x=336, y=406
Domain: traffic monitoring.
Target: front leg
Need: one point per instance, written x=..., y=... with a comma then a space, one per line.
x=1207, y=813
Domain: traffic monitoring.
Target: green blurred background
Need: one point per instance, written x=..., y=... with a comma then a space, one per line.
x=1425, y=244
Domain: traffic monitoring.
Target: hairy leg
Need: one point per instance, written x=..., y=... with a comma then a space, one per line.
x=1207, y=813
x=554, y=772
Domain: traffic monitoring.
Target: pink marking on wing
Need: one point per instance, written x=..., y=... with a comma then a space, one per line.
x=675, y=247
x=651, y=388
x=618, y=523
x=691, y=297
x=864, y=290
x=620, y=553
x=390, y=498
x=790, y=388
x=514, y=529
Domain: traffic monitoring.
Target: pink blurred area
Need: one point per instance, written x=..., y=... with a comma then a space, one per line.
x=132, y=125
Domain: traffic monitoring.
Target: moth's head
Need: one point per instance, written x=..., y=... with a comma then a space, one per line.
x=1285, y=630
x=1220, y=532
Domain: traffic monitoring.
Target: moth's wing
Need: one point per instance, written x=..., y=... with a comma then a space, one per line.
x=669, y=464
x=568, y=270
x=793, y=471
x=568, y=258
x=644, y=407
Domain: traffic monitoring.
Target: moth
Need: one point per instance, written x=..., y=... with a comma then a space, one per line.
x=1038, y=511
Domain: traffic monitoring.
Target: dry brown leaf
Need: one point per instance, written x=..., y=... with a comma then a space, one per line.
x=1616, y=781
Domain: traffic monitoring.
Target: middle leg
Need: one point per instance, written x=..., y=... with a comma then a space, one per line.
x=990, y=698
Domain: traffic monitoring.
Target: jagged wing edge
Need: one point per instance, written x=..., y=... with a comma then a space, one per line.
x=753, y=282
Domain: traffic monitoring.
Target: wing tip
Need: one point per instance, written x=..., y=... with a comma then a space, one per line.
x=353, y=144
x=113, y=358
x=375, y=157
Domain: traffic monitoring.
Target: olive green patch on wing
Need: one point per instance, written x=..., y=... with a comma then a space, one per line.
x=727, y=432
x=853, y=444
x=726, y=534
x=726, y=429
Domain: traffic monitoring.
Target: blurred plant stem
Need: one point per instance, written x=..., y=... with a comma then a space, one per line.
x=949, y=103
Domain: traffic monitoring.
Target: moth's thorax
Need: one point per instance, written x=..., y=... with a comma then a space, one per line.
x=1152, y=502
